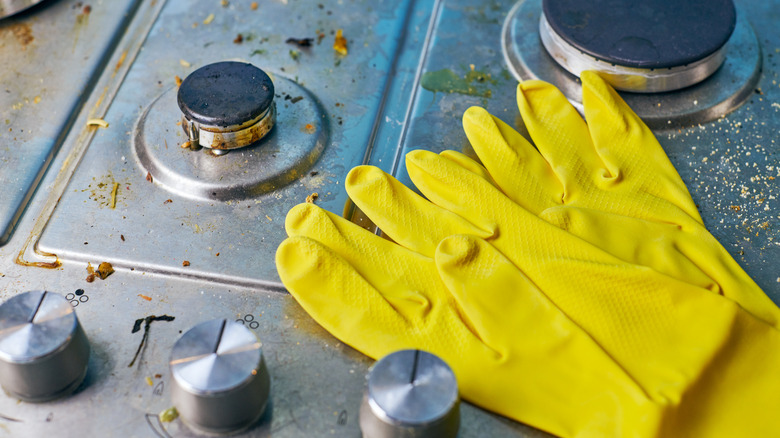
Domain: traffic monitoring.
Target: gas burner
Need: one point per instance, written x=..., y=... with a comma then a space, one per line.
x=226, y=105
x=653, y=47
x=713, y=62
x=11, y=7
x=222, y=112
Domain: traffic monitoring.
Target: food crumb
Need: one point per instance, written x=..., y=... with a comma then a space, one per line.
x=178, y=80
x=113, y=195
x=340, y=43
x=309, y=128
x=185, y=263
x=311, y=198
x=149, y=177
x=238, y=39
x=167, y=201
x=90, y=278
x=300, y=42
x=97, y=122
x=122, y=236
x=147, y=298
x=168, y=415
x=224, y=3
x=209, y=19
x=149, y=381
x=269, y=218
x=104, y=270
x=184, y=63
x=253, y=6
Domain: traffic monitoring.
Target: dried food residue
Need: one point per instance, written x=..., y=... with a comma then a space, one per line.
x=473, y=83
x=106, y=190
x=313, y=197
x=113, y=194
x=103, y=271
x=147, y=323
x=169, y=415
x=185, y=263
x=340, y=43
x=309, y=128
x=22, y=33
x=238, y=39
x=733, y=168
x=146, y=297
x=83, y=17
x=97, y=122
x=295, y=99
x=300, y=42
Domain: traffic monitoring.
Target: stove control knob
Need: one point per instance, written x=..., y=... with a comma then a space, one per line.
x=410, y=393
x=226, y=105
x=221, y=382
x=43, y=349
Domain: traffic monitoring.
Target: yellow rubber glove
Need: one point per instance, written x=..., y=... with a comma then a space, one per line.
x=518, y=352
x=592, y=178
x=607, y=181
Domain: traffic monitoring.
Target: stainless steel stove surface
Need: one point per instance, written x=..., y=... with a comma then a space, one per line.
x=191, y=233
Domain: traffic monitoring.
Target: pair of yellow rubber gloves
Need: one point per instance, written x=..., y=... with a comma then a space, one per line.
x=571, y=286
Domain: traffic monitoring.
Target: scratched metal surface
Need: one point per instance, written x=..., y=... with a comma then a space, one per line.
x=376, y=108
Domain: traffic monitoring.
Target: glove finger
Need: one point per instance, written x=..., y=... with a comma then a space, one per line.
x=688, y=254
x=467, y=163
x=628, y=147
x=512, y=161
x=561, y=136
x=450, y=186
x=527, y=332
x=340, y=299
x=402, y=214
x=488, y=288
x=656, y=245
x=406, y=279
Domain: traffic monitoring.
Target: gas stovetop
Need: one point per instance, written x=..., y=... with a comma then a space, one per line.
x=93, y=171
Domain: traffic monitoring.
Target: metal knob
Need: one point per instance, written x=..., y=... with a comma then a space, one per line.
x=43, y=349
x=226, y=105
x=410, y=393
x=221, y=383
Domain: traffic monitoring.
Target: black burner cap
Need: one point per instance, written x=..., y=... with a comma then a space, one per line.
x=225, y=94
x=643, y=33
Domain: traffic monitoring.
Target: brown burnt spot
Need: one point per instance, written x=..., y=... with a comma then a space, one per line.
x=22, y=32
